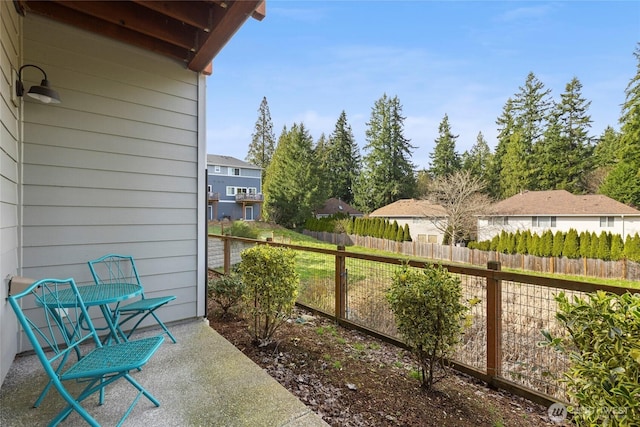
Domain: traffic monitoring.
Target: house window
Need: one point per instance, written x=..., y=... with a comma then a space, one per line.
x=252, y=190
x=231, y=191
x=543, y=221
x=498, y=220
x=234, y=171
x=209, y=189
x=606, y=221
x=216, y=169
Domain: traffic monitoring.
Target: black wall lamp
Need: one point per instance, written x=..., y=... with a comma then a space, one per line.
x=42, y=93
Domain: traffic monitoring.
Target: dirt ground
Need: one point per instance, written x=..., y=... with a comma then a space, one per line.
x=351, y=379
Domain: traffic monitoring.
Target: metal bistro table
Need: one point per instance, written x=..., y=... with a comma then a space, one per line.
x=102, y=296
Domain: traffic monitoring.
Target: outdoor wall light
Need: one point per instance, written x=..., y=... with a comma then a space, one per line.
x=42, y=93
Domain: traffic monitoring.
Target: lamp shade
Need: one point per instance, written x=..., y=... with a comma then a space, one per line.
x=44, y=93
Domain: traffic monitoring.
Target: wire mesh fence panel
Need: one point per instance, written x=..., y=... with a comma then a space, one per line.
x=472, y=349
x=527, y=310
x=317, y=280
x=366, y=304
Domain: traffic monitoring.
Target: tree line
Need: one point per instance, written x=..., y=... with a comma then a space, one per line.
x=542, y=144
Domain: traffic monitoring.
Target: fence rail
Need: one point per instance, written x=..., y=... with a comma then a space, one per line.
x=500, y=343
x=588, y=267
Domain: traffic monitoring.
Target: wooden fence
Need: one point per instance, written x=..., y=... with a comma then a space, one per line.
x=623, y=269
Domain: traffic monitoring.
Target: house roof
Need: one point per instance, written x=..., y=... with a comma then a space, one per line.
x=193, y=32
x=410, y=208
x=559, y=203
x=216, y=159
x=333, y=206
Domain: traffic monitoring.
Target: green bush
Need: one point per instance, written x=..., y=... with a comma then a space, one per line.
x=227, y=291
x=602, y=342
x=271, y=282
x=571, y=248
x=242, y=229
x=632, y=248
x=558, y=244
x=429, y=314
x=585, y=244
x=617, y=247
x=604, y=246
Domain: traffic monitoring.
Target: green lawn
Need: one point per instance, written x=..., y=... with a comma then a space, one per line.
x=314, y=265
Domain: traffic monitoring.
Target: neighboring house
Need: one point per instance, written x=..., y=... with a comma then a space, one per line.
x=118, y=166
x=426, y=220
x=334, y=206
x=558, y=210
x=234, y=188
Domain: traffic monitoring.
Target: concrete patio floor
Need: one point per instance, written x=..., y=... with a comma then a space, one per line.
x=203, y=380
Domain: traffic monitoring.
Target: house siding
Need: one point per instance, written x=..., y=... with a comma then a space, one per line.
x=114, y=168
x=10, y=29
x=220, y=180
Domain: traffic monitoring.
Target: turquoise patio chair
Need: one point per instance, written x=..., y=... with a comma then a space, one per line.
x=57, y=326
x=116, y=269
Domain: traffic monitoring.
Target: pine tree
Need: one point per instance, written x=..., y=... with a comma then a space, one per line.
x=343, y=161
x=292, y=188
x=506, y=129
x=263, y=140
x=563, y=156
x=478, y=160
x=387, y=173
x=444, y=159
x=515, y=175
x=623, y=182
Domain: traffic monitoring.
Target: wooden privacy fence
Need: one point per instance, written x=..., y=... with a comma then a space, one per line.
x=623, y=269
x=502, y=330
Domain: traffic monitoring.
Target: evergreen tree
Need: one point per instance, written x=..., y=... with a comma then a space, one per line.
x=535, y=248
x=617, y=247
x=444, y=158
x=478, y=160
x=585, y=244
x=571, y=247
x=623, y=182
x=531, y=106
x=563, y=156
x=387, y=173
x=263, y=140
x=607, y=149
x=632, y=248
x=558, y=244
x=515, y=175
x=292, y=188
x=595, y=243
x=604, y=246
x=506, y=129
x=546, y=243
x=407, y=235
x=522, y=247
x=423, y=183
x=343, y=161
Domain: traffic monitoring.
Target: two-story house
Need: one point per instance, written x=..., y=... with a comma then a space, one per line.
x=234, y=189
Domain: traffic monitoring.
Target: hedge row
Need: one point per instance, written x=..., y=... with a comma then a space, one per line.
x=605, y=246
x=375, y=227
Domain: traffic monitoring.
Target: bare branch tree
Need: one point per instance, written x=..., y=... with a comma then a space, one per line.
x=460, y=195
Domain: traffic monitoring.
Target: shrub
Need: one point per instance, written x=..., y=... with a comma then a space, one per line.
x=571, y=248
x=632, y=248
x=429, y=314
x=602, y=342
x=585, y=244
x=227, y=291
x=617, y=247
x=243, y=229
x=271, y=289
x=604, y=246
x=558, y=244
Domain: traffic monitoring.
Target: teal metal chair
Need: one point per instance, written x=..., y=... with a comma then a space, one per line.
x=58, y=329
x=116, y=269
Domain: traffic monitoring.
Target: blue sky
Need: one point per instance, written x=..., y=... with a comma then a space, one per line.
x=313, y=59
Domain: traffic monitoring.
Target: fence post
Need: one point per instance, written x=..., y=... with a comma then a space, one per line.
x=340, y=283
x=494, y=322
x=227, y=255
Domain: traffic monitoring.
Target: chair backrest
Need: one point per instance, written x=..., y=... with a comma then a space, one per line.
x=114, y=268
x=55, y=319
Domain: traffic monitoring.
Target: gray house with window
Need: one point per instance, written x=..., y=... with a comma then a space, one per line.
x=234, y=189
